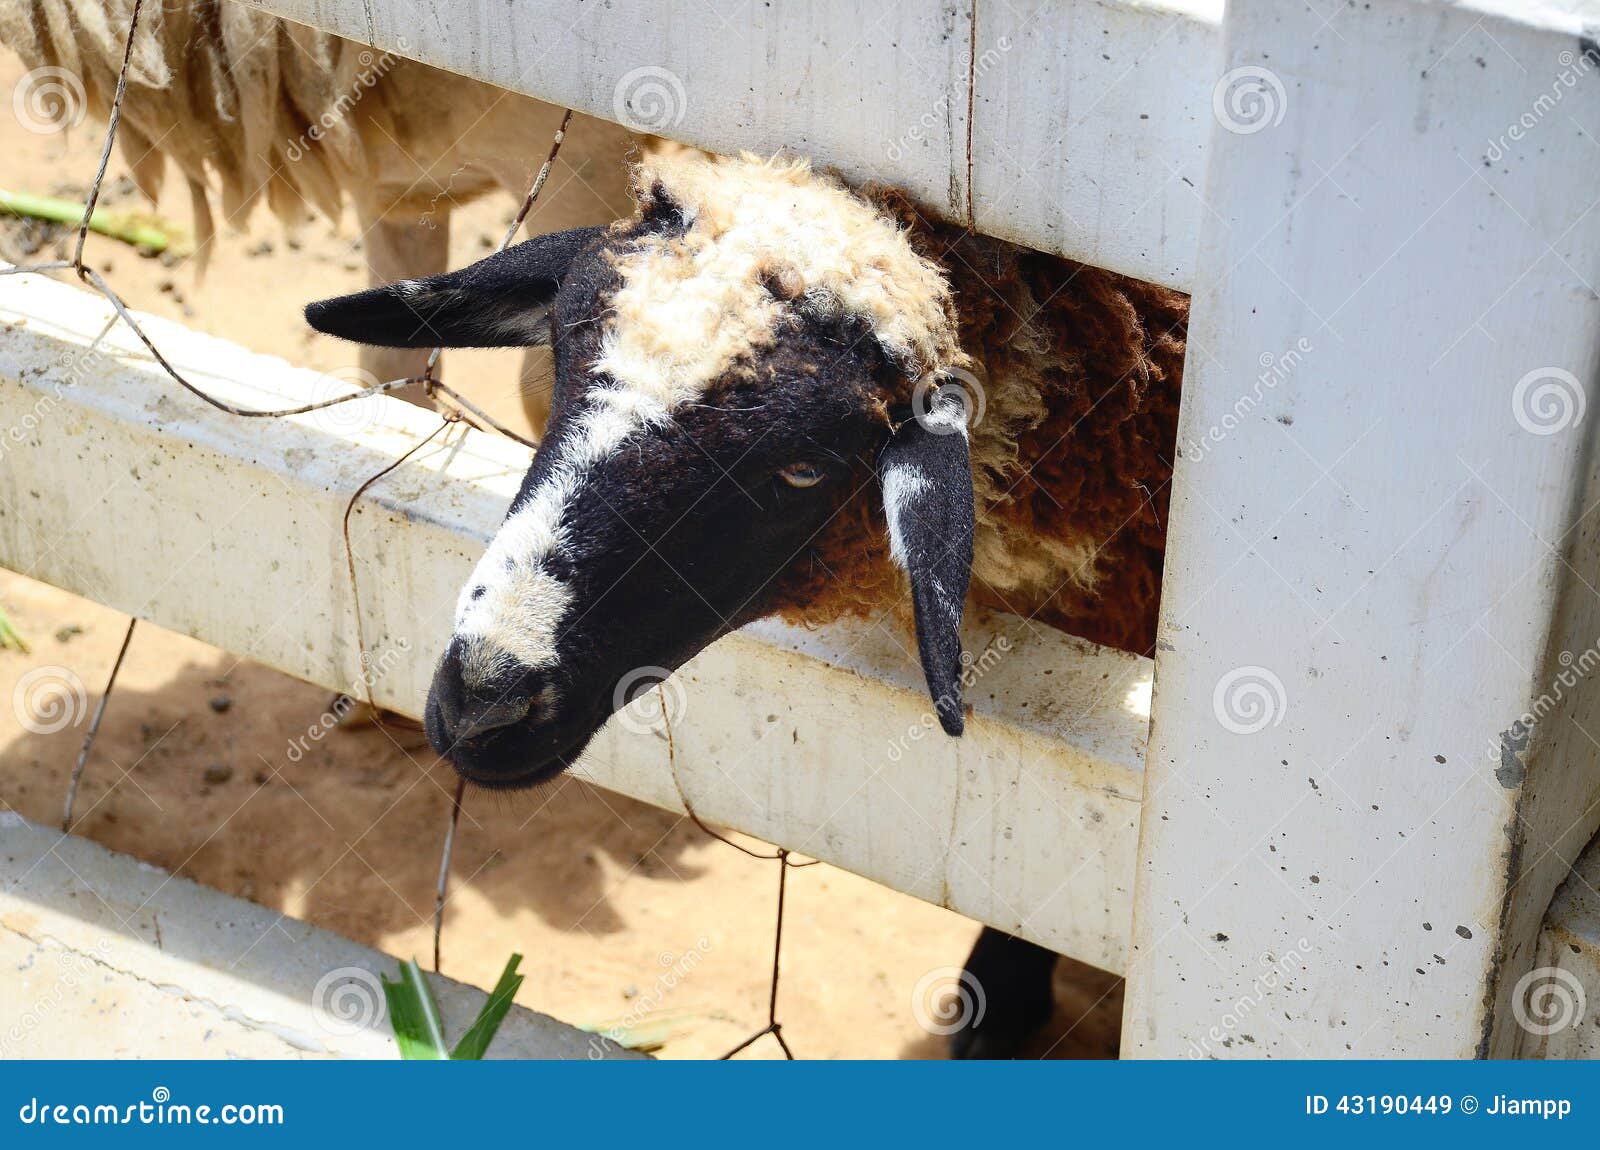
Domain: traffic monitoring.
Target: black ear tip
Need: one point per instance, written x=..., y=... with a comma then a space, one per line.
x=950, y=716
x=318, y=312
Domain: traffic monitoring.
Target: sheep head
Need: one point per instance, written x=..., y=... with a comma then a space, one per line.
x=741, y=368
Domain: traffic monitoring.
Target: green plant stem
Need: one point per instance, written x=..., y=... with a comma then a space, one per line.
x=128, y=227
x=9, y=639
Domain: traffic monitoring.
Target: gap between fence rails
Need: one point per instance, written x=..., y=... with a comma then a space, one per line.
x=459, y=407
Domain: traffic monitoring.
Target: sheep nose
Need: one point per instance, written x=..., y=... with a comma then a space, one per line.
x=479, y=716
x=468, y=710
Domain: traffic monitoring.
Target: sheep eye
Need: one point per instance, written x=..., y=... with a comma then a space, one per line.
x=805, y=474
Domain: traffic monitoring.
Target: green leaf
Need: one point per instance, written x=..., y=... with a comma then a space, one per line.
x=475, y=1042
x=9, y=639
x=414, y=1014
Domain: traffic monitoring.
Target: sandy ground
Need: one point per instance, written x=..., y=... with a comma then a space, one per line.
x=604, y=896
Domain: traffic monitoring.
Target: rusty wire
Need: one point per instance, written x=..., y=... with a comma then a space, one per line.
x=457, y=409
x=781, y=856
x=94, y=729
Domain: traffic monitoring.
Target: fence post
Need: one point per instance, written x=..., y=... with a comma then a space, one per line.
x=1374, y=750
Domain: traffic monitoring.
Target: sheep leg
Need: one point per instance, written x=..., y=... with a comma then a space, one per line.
x=1012, y=979
x=398, y=249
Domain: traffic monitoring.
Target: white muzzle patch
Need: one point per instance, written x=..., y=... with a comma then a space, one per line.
x=514, y=624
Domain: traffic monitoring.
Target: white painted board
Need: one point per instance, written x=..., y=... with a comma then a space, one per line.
x=109, y=957
x=1074, y=126
x=1368, y=769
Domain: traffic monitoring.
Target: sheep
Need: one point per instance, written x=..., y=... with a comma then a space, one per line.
x=266, y=109
x=763, y=384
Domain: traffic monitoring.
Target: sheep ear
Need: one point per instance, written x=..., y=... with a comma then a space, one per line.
x=927, y=497
x=501, y=301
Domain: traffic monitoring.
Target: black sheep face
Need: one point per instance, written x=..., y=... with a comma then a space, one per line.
x=672, y=490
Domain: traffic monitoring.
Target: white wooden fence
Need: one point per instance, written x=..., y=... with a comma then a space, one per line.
x=1075, y=126
x=1375, y=747
x=229, y=530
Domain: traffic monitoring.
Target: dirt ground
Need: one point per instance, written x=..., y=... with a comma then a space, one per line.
x=602, y=895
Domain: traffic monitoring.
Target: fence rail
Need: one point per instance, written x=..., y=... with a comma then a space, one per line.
x=1078, y=127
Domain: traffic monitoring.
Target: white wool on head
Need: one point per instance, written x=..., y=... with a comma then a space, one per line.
x=691, y=305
